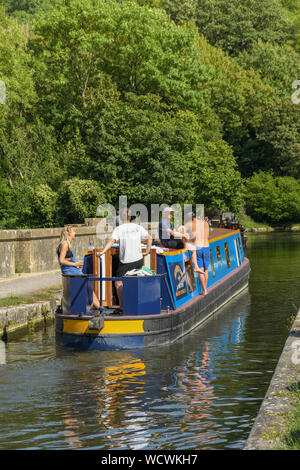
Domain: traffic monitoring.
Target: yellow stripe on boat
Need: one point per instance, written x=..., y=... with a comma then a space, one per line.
x=110, y=327
x=211, y=240
x=236, y=252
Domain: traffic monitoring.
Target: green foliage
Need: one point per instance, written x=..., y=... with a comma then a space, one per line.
x=4, y=201
x=139, y=49
x=273, y=199
x=134, y=149
x=44, y=204
x=78, y=199
x=16, y=74
x=274, y=142
x=280, y=133
x=130, y=128
x=279, y=65
x=110, y=98
x=235, y=26
x=292, y=10
x=237, y=96
x=24, y=8
x=217, y=179
x=181, y=10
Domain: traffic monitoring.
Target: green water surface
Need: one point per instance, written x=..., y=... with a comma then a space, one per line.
x=202, y=392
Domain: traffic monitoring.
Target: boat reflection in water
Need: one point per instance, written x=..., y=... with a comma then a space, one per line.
x=157, y=309
x=127, y=399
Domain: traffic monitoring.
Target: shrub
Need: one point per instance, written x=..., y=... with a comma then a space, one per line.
x=45, y=204
x=273, y=199
x=79, y=198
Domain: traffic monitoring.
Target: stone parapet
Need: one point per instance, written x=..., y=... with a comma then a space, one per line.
x=34, y=250
x=7, y=252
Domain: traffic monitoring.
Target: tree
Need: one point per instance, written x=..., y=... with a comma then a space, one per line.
x=280, y=132
x=235, y=26
x=273, y=199
x=138, y=49
x=292, y=10
x=19, y=7
x=181, y=10
x=44, y=205
x=274, y=142
x=78, y=199
x=238, y=97
x=123, y=84
x=16, y=74
x=279, y=65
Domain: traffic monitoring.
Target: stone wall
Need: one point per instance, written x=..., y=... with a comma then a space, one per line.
x=7, y=252
x=14, y=320
x=34, y=250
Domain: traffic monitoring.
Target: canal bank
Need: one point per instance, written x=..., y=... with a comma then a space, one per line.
x=27, y=300
x=270, y=422
x=294, y=228
x=203, y=392
x=15, y=320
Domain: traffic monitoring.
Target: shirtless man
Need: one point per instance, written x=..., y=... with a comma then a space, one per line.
x=196, y=238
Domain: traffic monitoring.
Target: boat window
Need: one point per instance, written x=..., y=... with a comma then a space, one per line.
x=239, y=241
x=189, y=272
x=227, y=254
x=212, y=264
x=218, y=251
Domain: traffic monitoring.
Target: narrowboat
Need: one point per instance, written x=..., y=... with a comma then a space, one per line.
x=158, y=308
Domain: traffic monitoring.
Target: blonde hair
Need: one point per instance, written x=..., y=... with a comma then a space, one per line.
x=64, y=237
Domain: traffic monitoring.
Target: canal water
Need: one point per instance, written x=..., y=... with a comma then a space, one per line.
x=203, y=392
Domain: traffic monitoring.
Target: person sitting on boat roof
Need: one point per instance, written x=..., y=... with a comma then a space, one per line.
x=66, y=257
x=129, y=236
x=197, y=233
x=167, y=232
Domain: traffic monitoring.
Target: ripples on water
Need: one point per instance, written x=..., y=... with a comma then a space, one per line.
x=203, y=392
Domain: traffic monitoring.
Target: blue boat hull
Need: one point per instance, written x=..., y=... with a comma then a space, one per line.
x=153, y=330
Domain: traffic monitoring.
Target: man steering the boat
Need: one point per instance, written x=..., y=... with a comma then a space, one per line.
x=129, y=235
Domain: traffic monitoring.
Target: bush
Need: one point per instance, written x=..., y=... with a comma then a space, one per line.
x=45, y=205
x=273, y=199
x=78, y=199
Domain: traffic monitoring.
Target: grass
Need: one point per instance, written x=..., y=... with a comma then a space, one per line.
x=290, y=438
x=44, y=294
x=248, y=222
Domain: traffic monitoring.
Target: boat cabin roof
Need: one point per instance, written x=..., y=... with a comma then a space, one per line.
x=214, y=235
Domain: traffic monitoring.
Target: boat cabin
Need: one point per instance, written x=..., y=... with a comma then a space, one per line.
x=172, y=284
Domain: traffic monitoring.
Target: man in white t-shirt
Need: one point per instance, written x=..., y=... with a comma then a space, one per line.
x=129, y=236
